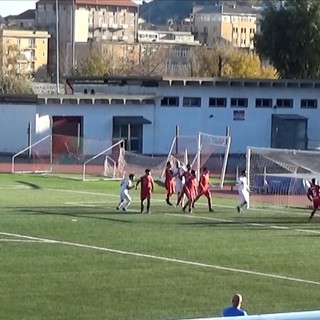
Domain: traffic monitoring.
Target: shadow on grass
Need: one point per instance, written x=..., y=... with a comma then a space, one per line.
x=28, y=184
x=76, y=212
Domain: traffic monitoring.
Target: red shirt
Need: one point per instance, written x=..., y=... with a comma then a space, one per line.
x=146, y=183
x=314, y=191
x=168, y=175
x=191, y=183
x=187, y=176
x=204, y=181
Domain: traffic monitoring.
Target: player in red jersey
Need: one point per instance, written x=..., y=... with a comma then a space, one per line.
x=191, y=189
x=203, y=188
x=169, y=185
x=185, y=177
x=313, y=195
x=146, y=189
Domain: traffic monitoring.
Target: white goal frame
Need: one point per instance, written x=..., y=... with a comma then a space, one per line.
x=196, y=162
x=107, y=157
x=13, y=163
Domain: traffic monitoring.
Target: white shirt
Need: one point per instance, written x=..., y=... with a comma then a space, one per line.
x=126, y=184
x=242, y=184
x=178, y=172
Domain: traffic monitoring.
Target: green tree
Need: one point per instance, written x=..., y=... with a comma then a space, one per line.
x=96, y=64
x=290, y=38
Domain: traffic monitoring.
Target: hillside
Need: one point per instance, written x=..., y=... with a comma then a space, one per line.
x=159, y=11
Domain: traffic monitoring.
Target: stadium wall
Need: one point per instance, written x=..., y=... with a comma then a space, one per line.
x=249, y=124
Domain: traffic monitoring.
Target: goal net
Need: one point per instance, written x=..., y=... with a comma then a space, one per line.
x=202, y=150
x=66, y=156
x=281, y=177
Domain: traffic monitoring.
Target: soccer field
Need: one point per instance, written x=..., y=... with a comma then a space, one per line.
x=66, y=253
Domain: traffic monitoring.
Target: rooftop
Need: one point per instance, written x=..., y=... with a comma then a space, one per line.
x=229, y=9
x=116, y=3
x=26, y=15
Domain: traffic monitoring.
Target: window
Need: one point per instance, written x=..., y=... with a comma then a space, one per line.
x=309, y=103
x=284, y=103
x=191, y=102
x=239, y=103
x=263, y=103
x=131, y=134
x=170, y=102
x=217, y=102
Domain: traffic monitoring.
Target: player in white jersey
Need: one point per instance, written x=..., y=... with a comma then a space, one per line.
x=179, y=179
x=243, y=190
x=125, y=198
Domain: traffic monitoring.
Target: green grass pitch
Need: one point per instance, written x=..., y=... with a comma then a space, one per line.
x=104, y=264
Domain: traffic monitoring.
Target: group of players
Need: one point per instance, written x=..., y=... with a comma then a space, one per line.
x=178, y=180
x=184, y=182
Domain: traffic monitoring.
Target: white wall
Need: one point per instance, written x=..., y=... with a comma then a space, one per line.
x=254, y=130
x=14, y=121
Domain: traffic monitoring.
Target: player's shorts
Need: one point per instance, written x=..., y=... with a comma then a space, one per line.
x=124, y=195
x=169, y=187
x=244, y=196
x=316, y=203
x=203, y=192
x=145, y=195
x=178, y=185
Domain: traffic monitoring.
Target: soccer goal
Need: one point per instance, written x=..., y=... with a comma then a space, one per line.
x=202, y=150
x=280, y=177
x=106, y=164
x=61, y=155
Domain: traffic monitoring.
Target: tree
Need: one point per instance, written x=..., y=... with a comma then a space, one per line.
x=290, y=38
x=229, y=62
x=96, y=64
x=11, y=81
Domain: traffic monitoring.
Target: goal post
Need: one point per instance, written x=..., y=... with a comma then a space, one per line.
x=36, y=158
x=280, y=177
x=104, y=164
x=202, y=150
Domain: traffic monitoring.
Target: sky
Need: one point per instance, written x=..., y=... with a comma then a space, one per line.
x=13, y=7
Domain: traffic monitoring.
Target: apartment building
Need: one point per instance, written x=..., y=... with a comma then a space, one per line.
x=225, y=23
x=25, y=51
x=24, y=20
x=82, y=21
x=173, y=49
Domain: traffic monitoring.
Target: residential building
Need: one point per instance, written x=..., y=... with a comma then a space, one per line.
x=25, y=51
x=82, y=21
x=24, y=20
x=225, y=23
x=173, y=49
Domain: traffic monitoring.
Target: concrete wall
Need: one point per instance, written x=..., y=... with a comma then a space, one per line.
x=253, y=130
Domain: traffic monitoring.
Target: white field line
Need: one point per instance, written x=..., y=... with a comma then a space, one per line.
x=24, y=240
x=245, y=224
x=154, y=257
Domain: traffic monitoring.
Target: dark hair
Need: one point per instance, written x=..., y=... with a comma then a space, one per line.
x=131, y=176
x=168, y=163
x=193, y=172
x=243, y=172
x=147, y=170
x=205, y=169
x=188, y=166
x=313, y=180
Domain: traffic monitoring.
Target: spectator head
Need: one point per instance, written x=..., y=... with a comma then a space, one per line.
x=237, y=300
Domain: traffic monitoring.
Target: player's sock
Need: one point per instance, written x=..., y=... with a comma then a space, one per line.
x=311, y=216
x=148, y=207
x=238, y=209
x=142, y=208
x=127, y=205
